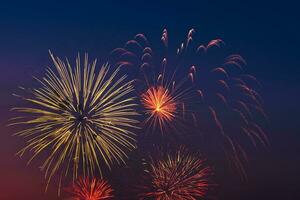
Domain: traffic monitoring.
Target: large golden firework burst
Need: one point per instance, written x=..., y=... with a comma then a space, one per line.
x=80, y=120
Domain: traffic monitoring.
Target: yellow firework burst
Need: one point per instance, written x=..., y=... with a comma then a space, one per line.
x=80, y=119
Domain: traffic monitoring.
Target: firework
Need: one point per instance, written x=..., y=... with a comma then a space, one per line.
x=91, y=189
x=159, y=105
x=163, y=91
x=225, y=105
x=81, y=121
x=228, y=95
x=176, y=176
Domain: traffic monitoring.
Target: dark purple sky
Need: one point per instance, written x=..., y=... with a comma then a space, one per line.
x=266, y=34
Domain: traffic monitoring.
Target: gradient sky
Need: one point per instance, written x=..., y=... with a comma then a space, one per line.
x=266, y=34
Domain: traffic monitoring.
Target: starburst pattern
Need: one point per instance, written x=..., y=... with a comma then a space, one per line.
x=79, y=120
x=160, y=106
x=91, y=189
x=163, y=91
x=177, y=176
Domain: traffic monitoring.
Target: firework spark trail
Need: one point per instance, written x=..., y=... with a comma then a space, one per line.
x=222, y=88
x=162, y=94
x=177, y=176
x=91, y=189
x=228, y=93
x=81, y=120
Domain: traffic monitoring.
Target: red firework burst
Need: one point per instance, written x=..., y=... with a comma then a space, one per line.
x=160, y=106
x=91, y=189
x=175, y=177
x=163, y=94
x=227, y=107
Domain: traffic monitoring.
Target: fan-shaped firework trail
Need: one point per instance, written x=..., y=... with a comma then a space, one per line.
x=227, y=93
x=91, y=189
x=228, y=105
x=175, y=177
x=162, y=95
x=78, y=119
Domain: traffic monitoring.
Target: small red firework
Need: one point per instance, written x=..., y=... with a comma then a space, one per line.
x=159, y=105
x=175, y=177
x=91, y=189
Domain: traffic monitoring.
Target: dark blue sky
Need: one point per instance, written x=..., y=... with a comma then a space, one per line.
x=265, y=33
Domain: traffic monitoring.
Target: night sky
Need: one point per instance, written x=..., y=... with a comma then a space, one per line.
x=265, y=33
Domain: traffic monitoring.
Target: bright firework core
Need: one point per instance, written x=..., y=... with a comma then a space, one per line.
x=159, y=104
x=91, y=189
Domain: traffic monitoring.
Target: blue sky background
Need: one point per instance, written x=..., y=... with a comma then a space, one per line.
x=265, y=33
